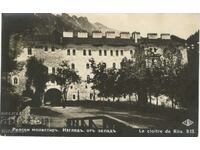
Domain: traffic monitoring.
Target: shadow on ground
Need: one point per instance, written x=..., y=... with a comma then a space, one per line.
x=41, y=111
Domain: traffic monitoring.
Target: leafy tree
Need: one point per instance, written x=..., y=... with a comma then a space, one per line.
x=36, y=74
x=127, y=77
x=183, y=87
x=100, y=78
x=65, y=76
x=156, y=86
x=112, y=88
x=192, y=71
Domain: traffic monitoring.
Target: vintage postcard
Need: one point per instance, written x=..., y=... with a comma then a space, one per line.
x=99, y=74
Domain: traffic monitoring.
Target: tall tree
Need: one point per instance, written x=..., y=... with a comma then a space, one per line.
x=112, y=88
x=156, y=86
x=100, y=78
x=37, y=74
x=127, y=81
x=65, y=76
x=193, y=70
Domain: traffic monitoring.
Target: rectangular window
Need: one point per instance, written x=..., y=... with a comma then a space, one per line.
x=53, y=70
x=90, y=53
x=111, y=53
x=100, y=53
x=68, y=52
x=29, y=51
x=73, y=66
x=122, y=52
x=91, y=96
x=88, y=78
x=117, y=52
x=114, y=65
x=87, y=66
x=131, y=52
x=104, y=65
x=74, y=96
x=84, y=52
x=74, y=52
x=15, y=81
x=105, y=53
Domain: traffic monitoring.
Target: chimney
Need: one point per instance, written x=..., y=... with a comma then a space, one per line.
x=97, y=34
x=125, y=35
x=110, y=34
x=152, y=35
x=165, y=36
x=136, y=36
x=68, y=34
x=82, y=35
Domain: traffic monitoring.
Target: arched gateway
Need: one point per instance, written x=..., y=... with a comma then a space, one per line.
x=52, y=94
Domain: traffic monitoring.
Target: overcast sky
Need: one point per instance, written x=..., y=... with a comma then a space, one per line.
x=181, y=25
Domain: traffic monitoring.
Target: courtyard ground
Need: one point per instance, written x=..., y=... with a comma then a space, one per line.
x=137, y=119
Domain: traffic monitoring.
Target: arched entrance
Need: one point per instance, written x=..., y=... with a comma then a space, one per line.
x=52, y=97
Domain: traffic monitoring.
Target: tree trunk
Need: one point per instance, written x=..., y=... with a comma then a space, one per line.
x=142, y=97
x=156, y=100
x=172, y=102
x=78, y=95
x=136, y=97
x=37, y=98
x=113, y=98
x=150, y=98
x=65, y=92
x=129, y=97
x=94, y=95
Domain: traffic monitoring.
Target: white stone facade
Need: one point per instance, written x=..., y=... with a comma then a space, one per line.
x=78, y=56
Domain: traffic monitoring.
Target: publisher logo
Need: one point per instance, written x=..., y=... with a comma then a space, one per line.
x=187, y=122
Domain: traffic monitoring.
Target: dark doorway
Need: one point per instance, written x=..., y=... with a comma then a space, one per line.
x=52, y=97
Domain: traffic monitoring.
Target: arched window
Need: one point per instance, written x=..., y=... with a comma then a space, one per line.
x=117, y=52
x=29, y=51
x=90, y=52
x=74, y=52
x=73, y=66
x=88, y=78
x=84, y=52
x=111, y=53
x=104, y=65
x=87, y=66
x=74, y=96
x=114, y=65
x=15, y=81
x=105, y=53
x=53, y=70
x=68, y=52
x=131, y=52
x=100, y=53
x=122, y=52
x=91, y=96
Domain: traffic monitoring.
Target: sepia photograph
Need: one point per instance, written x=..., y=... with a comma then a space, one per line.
x=99, y=74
